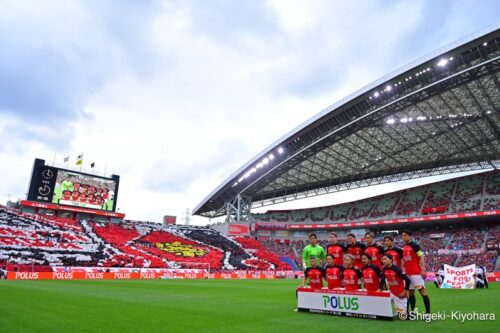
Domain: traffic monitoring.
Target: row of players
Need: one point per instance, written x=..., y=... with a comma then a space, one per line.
x=371, y=277
x=398, y=270
x=81, y=192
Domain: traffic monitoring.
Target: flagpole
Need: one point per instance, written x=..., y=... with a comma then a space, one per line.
x=105, y=169
x=54, y=160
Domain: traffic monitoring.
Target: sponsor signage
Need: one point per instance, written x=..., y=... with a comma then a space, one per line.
x=270, y=225
x=239, y=230
x=149, y=274
x=362, y=304
x=93, y=273
x=70, y=209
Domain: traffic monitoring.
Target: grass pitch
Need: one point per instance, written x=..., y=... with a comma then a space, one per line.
x=207, y=306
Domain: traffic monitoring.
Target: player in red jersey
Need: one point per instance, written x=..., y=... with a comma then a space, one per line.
x=75, y=195
x=83, y=197
x=396, y=281
x=66, y=195
x=335, y=249
x=333, y=273
x=374, y=250
x=371, y=273
x=356, y=249
x=394, y=251
x=414, y=263
x=351, y=275
x=313, y=274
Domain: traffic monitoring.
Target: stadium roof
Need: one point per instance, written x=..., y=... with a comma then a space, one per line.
x=438, y=115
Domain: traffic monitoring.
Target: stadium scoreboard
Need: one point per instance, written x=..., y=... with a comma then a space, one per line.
x=50, y=184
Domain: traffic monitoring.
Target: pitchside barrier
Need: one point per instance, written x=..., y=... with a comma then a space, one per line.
x=146, y=274
x=94, y=273
x=361, y=304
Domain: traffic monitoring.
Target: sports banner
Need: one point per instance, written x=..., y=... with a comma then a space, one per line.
x=459, y=277
x=362, y=304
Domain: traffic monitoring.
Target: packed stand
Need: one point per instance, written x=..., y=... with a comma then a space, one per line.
x=466, y=194
x=486, y=259
x=263, y=252
x=35, y=242
x=386, y=206
x=234, y=254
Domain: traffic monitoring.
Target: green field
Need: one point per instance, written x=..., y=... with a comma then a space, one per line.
x=206, y=306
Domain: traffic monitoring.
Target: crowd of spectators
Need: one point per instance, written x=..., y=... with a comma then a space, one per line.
x=487, y=259
x=466, y=239
x=438, y=197
x=386, y=205
x=491, y=203
x=263, y=252
x=469, y=205
x=362, y=209
x=28, y=240
x=493, y=184
x=234, y=254
x=341, y=212
x=466, y=194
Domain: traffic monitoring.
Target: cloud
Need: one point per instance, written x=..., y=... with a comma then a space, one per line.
x=176, y=96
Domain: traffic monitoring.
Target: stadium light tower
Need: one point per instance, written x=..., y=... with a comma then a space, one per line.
x=239, y=209
x=187, y=216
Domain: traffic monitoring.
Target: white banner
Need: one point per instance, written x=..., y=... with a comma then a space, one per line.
x=339, y=302
x=459, y=277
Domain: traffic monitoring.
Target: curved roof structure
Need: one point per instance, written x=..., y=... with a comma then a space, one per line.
x=440, y=114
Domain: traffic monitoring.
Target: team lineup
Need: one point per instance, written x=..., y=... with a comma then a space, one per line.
x=368, y=266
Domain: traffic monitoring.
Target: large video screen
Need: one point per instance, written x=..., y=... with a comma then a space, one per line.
x=80, y=190
x=71, y=188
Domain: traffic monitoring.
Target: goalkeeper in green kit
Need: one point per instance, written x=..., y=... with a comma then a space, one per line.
x=313, y=250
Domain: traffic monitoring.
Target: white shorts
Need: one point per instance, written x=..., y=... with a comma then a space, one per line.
x=417, y=282
x=399, y=303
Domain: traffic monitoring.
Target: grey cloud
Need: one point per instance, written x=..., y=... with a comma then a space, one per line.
x=174, y=174
x=50, y=69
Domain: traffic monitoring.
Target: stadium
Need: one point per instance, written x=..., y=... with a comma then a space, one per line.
x=98, y=271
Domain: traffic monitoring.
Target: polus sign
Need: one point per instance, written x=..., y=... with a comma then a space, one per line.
x=362, y=304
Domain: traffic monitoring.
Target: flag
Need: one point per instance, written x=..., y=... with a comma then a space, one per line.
x=66, y=159
x=92, y=165
x=79, y=159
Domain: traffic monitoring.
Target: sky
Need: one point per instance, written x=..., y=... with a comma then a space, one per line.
x=174, y=96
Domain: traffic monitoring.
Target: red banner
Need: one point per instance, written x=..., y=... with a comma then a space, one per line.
x=434, y=210
x=71, y=209
x=239, y=230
